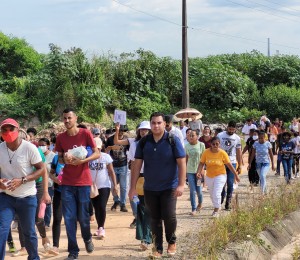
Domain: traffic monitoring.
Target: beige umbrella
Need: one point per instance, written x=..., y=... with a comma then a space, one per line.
x=186, y=113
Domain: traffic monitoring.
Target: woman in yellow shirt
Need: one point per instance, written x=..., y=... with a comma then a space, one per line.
x=215, y=160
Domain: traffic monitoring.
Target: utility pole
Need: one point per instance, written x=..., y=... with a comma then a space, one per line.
x=185, y=71
x=269, y=51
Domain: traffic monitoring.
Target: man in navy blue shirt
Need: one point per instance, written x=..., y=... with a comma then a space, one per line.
x=165, y=173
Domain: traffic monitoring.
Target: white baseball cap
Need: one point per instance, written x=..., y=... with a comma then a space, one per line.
x=145, y=125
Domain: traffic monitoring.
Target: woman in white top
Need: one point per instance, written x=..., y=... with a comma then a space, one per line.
x=102, y=172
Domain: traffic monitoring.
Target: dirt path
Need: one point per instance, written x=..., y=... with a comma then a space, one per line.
x=120, y=239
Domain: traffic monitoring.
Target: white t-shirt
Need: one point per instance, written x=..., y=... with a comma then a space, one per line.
x=22, y=160
x=197, y=124
x=183, y=131
x=48, y=160
x=175, y=131
x=296, y=140
x=230, y=143
x=131, y=154
x=100, y=165
x=246, y=129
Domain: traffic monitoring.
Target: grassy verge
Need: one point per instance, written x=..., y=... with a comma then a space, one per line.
x=246, y=222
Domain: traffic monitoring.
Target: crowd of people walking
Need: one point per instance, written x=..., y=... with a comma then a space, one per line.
x=70, y=176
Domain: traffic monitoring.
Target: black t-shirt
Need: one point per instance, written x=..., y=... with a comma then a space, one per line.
x=119, y=156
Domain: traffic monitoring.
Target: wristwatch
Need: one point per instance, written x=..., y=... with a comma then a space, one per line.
x=24, y=180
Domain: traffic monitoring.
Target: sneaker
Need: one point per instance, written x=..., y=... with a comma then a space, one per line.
x=171, y=251
x=277, y=173
x=114, y=207
x=215, y=214
x=156, y=255
x=96, y=234
x=123, y=208
x=89, y=246
x=11, y=246
x=293, y=177
x=144, y=246
x=71, y=257
x=21, y=252
x=54, y=251
x=101, y=233
x=193, y=213
x=133, y=224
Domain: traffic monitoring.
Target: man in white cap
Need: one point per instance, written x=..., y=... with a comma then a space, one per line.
x=20, y=165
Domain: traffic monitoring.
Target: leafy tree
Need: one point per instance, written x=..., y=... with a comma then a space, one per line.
x=17, y=59
x=281, y=101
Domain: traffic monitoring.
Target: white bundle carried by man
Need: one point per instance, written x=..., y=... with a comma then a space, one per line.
x=78, y=151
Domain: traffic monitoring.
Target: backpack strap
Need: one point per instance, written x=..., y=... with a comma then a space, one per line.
x=172, y=142
x=170, y=138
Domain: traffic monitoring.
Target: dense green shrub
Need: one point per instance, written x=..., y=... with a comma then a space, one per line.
x=222, y=87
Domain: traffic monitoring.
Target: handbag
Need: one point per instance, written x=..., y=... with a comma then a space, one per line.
x=94, y=190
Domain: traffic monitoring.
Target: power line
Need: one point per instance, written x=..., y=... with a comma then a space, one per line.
x=272, y=8
x=259, y=10
x=293, y=9
x=204, y=29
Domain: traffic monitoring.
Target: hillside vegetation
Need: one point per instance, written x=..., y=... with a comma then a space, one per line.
x=222, y=87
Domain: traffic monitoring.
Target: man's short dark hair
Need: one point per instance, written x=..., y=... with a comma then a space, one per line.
x=81, y=125
x=232, y=124
x=169, y=118
x=197, y=131
x=31, y=130
x=188, y=130
x=252, y=130
x=286, y=134
x=45, y=140
x=68, y=110
x=157, y=114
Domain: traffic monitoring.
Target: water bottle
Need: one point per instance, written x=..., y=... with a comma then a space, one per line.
x=136, y=200
x=60, y=176
x=42, y=209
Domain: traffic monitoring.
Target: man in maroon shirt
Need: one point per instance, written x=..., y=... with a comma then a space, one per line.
x=76, y=182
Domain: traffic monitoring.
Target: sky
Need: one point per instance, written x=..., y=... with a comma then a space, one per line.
x=116, y=26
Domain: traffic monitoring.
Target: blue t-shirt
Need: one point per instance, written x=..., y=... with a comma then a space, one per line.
x=262, y=151
x=160, y=166
x=289, y=146
x=55, y=165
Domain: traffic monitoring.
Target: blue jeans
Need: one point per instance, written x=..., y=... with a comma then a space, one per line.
x=262, y=170
x=48, y=211
x=287, y=168
x=26, y=209
x=133, y=204
x=122, y=178
x=230, y=181
x=192, y=178
x=75, y=206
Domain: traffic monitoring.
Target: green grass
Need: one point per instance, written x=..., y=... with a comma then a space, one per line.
x=246, y=222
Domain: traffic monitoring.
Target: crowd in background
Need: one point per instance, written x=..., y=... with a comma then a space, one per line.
x=213, y=159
